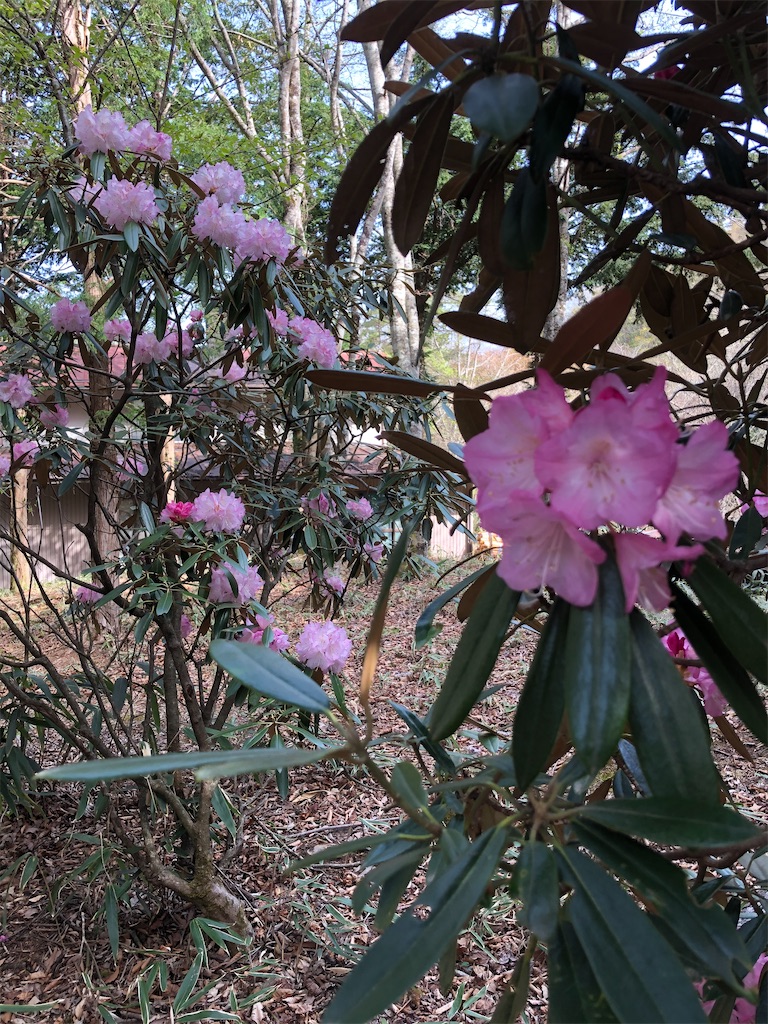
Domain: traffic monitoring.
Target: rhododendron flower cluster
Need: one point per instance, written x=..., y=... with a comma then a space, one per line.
x=87, y=595
x=70, y=316
x=177, y=512
x=333, y=584
x=678, y=646
x=743, y=1012
x=262, y=239
x=321, y=506
x=117, y=330
x=248, y=582
x=25, y=452
x=254, y=633
x=100, y=133
x=58, y=416
x=123, y=201
x=360, y=508
x=16, y=390
x=317, y=344
x=143, y=139
x=5, y=463
x=324, y=645
x=220, y=180
x=546, y=475
x=150, y=349
x=219, y=511
x=279, y=321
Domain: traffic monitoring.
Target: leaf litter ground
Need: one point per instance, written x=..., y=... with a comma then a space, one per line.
x=305, y=933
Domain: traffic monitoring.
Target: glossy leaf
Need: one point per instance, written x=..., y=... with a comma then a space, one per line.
x=704, y=933
x=542, y=702
x=597, y=322
x=552, y=124
x=634, y=966
x=425, y=450
x=407, y=784
x=597, y=671
x=574, y=994
x=474, y=657
x=741, y=623
x=502, y=105
x=413, y=944
x=670, y=738
x=535, y=884
x=524, y=222
x=678, y=822
x=471, y=415
x=424, y=622
x=731, y=679
x=269, y=673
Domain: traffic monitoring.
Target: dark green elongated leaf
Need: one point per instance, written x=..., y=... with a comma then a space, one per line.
x=746, y=534
x=406, y=782
x=524, y=222
x=404, y=863
x=474, y=658
x=738, y=619
x=268, y=673
x=378, y=383
x=427, y=617
x=704, y=933
x=552, y=124
x=634, y=966
x=420, y=731
x=113, y=927
x=597, y=671
x=732, y=680
x=431, y=453
x=502, y=105
x=542, y=702
x=574, y=994
x=416, y=184
x=680, y=822
x=219, y=762
x=412, y=944
x=669, y=736
x=535, y=884
x=70, y=479
x=131, y=235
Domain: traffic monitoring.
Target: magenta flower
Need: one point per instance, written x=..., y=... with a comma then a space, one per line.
x=143, y=139
x=704, y=473
x=320, y=506
x=100, y=133
x=263, y=240
x=177, y=512
x=122, y=202
x=639, y=557
x=117, y=330
x=324, y=645
x=70, y=316
x=220, y=180
x=543, y=548
x=678, y=646
x=248, y=582
x=360, y=509
x=185, y=626
x=275, y=638
x=196, y=316
x=58, y=416
x=220, y=511
x=17, y=390
x=374, y=551
x=317, y=344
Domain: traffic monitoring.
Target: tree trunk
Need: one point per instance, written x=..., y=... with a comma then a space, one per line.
x=20, y=568
x=289, y=102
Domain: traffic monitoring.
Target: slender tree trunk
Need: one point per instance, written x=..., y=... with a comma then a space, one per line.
x=291, y=130
x=20, y=568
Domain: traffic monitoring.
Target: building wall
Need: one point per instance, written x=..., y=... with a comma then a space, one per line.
x=52, y=533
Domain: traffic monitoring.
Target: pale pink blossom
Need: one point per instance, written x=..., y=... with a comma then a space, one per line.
x=543, y=549
x=17, y=390
x=87, y=595
x=248, y=582
x=143, y=139
x=196, y=316
x=177, y=512
x=100, y=133
x=317, y=344
x=117, y=330
x=5, y=464
x=360, y=508
x=374, y=551
x=279, y=320
x=639, y=557
x=333, y=584
x=25, y=452
x=262, y=240
x=324, y=645
x=185, y=626
x=58, y=416
x=220, y=180
x=648, y=402
x=70, y=316
x=705, y=472
x=263, y=630
x=501, y=459
x=220, y=511
x=123, y=202
x=220, y=224
x=150, y=349
x=129, y=467
x=85, y=191
x=320, y=506
x=175, y=336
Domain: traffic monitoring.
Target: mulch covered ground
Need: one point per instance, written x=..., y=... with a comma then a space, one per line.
x=305, y=932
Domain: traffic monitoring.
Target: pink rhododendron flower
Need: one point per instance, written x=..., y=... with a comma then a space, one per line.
x=122, y=202
x=374, y=551
x=333, y=584
x=173, y=338
x=543, y=548
x=678, y=645
x=17, y=390
x=220, y=224
x=760, y=501
x=220, y=511
x=100, y=133
x=25, y=452
x=185, y=626
x=220, y=180
x=279, y=321
x=256, y=632
x=743, y=1011
x=317, y=344
x=5, y=463
x=150, y=349
x=324, y=645
x=70, y=316
x=248, y=582
x=117, y=330
x=58, y=416
x=177, y=512
x=704, y=473
x=196, y=316
x=84, y=191
x=129, y=467
x=87, y=595
x=143, y=139
x=321, y=505
x=648, y=402
x=360, y=509
x=639, y=559
x=262, y=240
